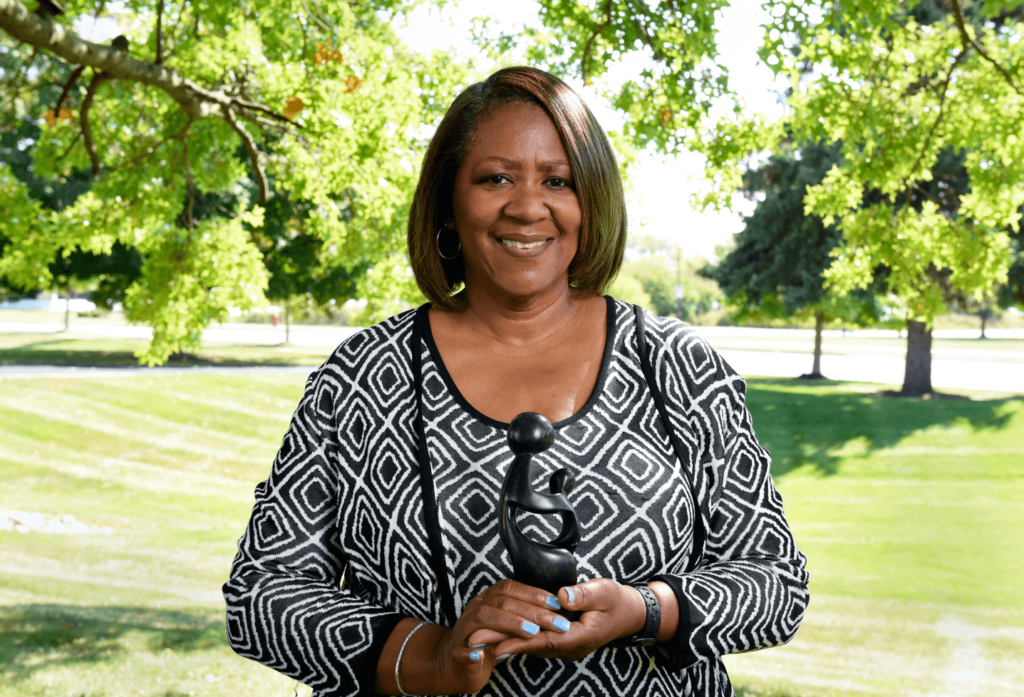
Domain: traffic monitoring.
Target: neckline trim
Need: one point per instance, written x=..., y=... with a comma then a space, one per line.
x=595, y=395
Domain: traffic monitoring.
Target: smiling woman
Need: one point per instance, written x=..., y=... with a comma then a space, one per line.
x=515, y=204
x=391, y=472
x=572, y=137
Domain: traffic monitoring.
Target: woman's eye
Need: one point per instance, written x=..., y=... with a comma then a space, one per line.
x=560, y=183
x=496, y=179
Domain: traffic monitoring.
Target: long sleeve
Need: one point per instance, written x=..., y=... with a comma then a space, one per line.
x=749, y=590
x=284, y=605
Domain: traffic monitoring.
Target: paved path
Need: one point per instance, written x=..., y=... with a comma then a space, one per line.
x=329, y=336
x=996, y=376
x=70, y=371
x=259, y=334
x=751, y=351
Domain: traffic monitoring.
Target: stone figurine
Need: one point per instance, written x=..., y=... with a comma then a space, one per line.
x=548, y=565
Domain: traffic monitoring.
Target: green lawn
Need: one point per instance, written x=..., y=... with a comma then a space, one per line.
x=909, y=511
x=69, y=349
x=910, y=514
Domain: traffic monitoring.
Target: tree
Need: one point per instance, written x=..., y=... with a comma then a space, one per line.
x=897, y=82
x=106, y=276
x=326, y=102
x=327, y=106
x=776, y=266
x=628, y=289
x=659, y=266
x=1011, y=293
x=900, y=84
x=298, y=266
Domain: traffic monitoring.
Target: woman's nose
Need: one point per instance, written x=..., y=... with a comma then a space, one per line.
x=528, y=203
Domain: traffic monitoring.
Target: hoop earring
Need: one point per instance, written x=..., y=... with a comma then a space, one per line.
x=439, y=247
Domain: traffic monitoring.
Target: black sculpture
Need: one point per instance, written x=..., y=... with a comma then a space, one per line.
x=547, y=565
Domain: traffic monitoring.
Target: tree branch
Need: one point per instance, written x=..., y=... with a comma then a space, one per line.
x=242, y=104
x=75, y=74
x=254, y=156
x=969, y=41
x=70, y=145
x=643, y=32
x=585, y=62
x=159, y=33
x=174, y=38
x=146, y=152
x=260, y=121
x=191, y=184
x=197, y=102
x=98, y=79
x=19, y=76
x=938, y=119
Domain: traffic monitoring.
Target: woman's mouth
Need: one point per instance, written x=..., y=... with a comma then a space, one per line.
x=523, y=245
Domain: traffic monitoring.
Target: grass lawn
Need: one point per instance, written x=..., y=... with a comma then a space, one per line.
x=61, y=349
x=908, y=510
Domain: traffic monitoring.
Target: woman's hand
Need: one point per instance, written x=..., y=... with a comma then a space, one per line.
x=610, y=611
x=507, y=611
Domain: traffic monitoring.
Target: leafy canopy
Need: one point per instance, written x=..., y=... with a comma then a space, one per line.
x=323, y=112
x=321, y=105
x=896, y=82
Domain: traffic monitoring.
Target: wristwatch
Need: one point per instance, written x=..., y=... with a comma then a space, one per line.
x=649, y=634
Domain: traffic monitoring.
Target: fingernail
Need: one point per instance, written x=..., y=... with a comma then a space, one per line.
x=553, y=603
x=474, y=655
x=530, y=628
x=477, y=646
x=572, y=596
x=562, y=624
x=502, y=657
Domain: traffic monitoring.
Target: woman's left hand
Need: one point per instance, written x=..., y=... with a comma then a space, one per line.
x=610, y=611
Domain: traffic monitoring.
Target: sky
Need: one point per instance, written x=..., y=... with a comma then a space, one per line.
x=658, y=201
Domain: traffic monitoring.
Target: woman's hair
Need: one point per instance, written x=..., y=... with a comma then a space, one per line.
x=591, y=159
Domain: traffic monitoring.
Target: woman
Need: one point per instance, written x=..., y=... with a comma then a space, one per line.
x=388, y=478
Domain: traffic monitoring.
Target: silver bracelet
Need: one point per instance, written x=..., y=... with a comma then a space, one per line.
x=400, y=652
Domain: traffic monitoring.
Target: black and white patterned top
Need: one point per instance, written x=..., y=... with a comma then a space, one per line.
x=353, y=488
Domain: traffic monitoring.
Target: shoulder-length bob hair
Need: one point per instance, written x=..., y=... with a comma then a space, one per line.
x=591, y=159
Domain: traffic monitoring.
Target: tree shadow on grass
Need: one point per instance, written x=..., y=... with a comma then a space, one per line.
x=742, y=691
x=808, y=424
x=36, y=637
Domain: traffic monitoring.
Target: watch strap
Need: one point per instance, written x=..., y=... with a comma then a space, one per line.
x=649, y=634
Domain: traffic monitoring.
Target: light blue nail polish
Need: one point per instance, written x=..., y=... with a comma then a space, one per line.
x=553, y=603
x=474, y=655
x=477, y=646
x=572, y=596
x=530, y=628
x=562, y=624
x=502, y=657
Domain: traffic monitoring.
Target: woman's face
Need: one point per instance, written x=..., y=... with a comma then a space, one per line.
x=515, y=205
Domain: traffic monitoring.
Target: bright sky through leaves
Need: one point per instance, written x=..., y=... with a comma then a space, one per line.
x=660, y=191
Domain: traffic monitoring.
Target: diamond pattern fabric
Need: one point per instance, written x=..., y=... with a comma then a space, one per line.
x=345, y=496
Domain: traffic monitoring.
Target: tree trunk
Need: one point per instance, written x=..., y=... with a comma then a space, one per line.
x=287, y=322
x=819, y=324
x=917, y=380
x=984, y=316
x=67, y=311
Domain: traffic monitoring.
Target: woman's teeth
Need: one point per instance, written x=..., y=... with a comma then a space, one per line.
x=522, y=245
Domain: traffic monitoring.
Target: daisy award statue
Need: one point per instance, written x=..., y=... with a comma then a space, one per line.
x=548, y=565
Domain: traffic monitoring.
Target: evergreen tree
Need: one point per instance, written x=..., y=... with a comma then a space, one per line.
x=776, y=267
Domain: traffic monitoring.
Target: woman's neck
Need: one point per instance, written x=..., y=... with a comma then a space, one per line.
x=521, y=321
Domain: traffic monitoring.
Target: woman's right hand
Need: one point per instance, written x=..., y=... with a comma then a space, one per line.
x=505, y=610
